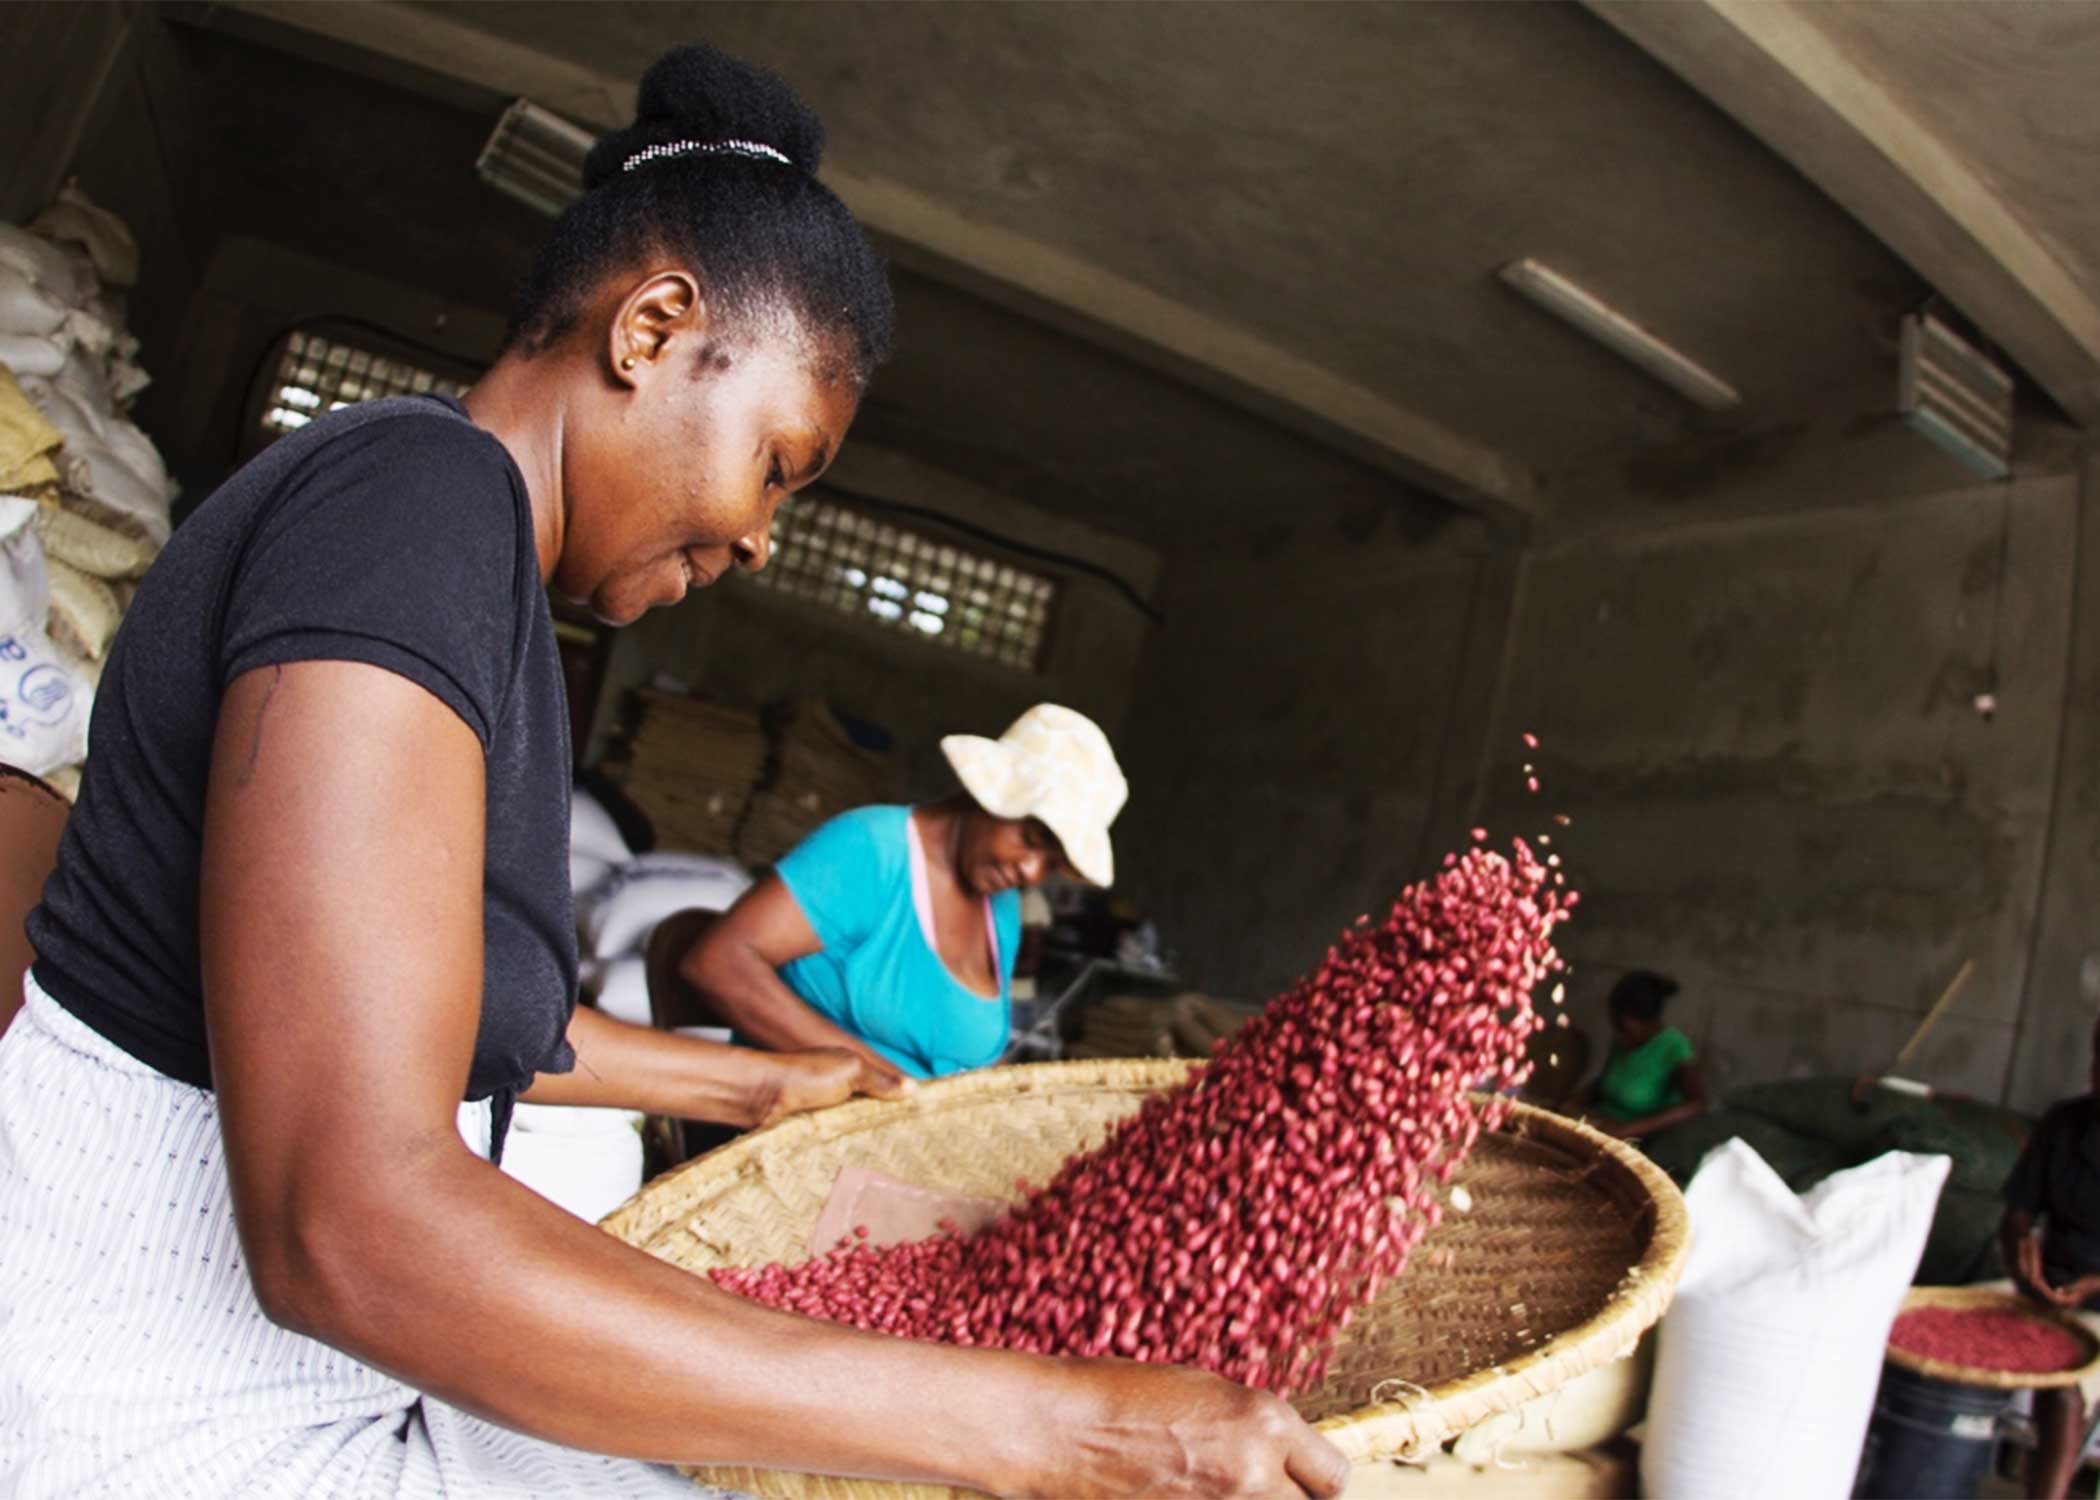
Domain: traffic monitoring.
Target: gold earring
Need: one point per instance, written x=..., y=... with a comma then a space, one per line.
x=627, y=361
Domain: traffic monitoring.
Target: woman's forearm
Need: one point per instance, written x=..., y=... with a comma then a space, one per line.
x=2019, y=1242
x=703, y=1377
x=620, y=1066
x=750, y=995
x=1677, y=1114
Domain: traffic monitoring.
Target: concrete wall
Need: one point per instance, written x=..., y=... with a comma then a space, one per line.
x=98, y=96
x=252, y=292
x=1308, y=719
x=2052, y=1040
x=740, y=643
x=1782, y=792
x=45, y=109
x=1755, y=675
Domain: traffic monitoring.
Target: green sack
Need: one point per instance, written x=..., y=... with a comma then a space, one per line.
x=1963, y=1244
x=1804, y=1162
x=1798, y=1159
x=1822, y=1109
x=1982, y=1150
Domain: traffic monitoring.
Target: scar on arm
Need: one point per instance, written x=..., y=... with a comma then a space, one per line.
x=256, y=738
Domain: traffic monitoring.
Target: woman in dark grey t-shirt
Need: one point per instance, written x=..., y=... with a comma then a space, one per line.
x=314, y=896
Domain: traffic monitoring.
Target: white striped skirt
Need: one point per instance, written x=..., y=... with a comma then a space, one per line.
x=134, y=1358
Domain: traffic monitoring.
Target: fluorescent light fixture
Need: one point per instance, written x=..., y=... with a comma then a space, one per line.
x=1620, y=334
x=536, y=156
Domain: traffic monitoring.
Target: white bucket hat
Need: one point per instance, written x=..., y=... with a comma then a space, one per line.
x=1055, y=765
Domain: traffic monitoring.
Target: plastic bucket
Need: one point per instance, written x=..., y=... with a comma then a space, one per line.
x=1929, y=1440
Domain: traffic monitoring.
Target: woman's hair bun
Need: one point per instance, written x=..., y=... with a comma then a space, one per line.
x=696, y=93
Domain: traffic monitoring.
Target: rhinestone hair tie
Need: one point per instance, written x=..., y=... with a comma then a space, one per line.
x=756, y=150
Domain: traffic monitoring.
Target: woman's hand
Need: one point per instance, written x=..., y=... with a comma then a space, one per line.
x=1155, y=1430
x=2030, y=1277
x=619, y=1066
x=797, y=1081
x=2076, y=1293
x=2030, y=1274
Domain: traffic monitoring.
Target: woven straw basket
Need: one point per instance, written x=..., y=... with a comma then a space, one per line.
x=1570, y=1250
x=1991, y=1298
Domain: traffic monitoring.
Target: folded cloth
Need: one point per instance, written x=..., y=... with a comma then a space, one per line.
x=65, y=273
x=26, y=354
x=894, y=1212
x=26, y=308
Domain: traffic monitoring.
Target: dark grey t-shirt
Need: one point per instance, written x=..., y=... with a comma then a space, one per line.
x=395, y=533
x=2058, y=1176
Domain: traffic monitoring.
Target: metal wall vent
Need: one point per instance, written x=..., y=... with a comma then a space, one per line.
x=536, y=156
x=1956, y=395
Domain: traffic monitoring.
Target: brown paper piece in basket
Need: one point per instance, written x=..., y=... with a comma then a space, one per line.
x=894, y=1212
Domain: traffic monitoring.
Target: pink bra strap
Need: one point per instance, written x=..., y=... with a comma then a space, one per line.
x=922, y=901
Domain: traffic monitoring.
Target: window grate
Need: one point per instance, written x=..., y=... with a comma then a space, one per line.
x=316, y=375
x=909, y=581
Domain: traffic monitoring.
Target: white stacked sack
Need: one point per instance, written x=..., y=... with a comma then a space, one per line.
x=621, y=896
x=100, y=494
x=62, y=333
x=590, y=1160
x=596, y=846
x=627, y=905
x=44, y=702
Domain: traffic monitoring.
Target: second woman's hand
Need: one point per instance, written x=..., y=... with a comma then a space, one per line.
x=794, y=1082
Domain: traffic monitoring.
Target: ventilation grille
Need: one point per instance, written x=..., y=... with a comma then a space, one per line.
x=316, y=375
x=1954, y=394
x=886, y=574
x=536, y=156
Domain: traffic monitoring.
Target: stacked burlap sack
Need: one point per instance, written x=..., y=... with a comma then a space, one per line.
x=84, y=497
x=1186, y=1025
x=690, y=766
x=715, y=779
x=816, y=771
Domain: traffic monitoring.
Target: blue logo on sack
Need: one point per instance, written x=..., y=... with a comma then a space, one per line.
x=45, y=688
x=42, y=696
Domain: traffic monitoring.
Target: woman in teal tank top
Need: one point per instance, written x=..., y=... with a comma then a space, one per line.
x=891, y=930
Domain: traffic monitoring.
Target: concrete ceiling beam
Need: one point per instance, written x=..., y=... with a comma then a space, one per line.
x=1023, y=274
x=1770, y=67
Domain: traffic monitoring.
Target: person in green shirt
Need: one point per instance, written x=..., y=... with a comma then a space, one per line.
x=1651, y=1080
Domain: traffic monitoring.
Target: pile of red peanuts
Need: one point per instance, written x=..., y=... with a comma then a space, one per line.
x=1986, y=1339
x=1238, y=1221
